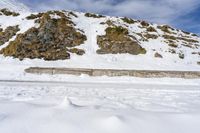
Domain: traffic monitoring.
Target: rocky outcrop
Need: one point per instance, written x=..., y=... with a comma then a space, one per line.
x=157, y=55
x=128, y=20
x=51, y=41
x=181, y=55
x=8, y=33
x=117, y=40
x=93, y=15
x=7, y=12
x=34, y=16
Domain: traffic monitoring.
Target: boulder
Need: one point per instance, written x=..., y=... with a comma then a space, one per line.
x=157, y=55
x=7, y=12
x=181, y=55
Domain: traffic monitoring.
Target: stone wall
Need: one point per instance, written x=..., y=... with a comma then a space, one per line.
x=114, y=72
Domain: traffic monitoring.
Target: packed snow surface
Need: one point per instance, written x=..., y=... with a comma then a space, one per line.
x=96, y=105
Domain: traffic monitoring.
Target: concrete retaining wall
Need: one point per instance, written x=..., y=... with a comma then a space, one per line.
x=114, y=72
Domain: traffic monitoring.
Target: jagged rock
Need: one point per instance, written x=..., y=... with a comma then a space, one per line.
x=144, y=24
x=198, y=63
x=77, y=51
x=8, y=12
x=165, y=28
x=34, y=16
x=50, y=41
x=117, y=40
x=110, y=23
x=173, y=45
x=169, y=37
x=151, y=29
x=9, y=32
x=150, y=36
x=93, y=15
x=173, y=51
x=73, y=14
x=187, y=42
x=181, y=55
x=188, y=33
x=192, y=34
x=198, y=53
x=157, y=55
x=128, y=20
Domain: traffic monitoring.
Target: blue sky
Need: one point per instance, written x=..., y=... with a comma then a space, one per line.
x=183, y=14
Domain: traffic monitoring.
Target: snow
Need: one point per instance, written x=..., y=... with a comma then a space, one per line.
x=102, y=105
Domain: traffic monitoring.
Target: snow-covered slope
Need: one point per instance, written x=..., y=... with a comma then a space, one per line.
x=13, y=5
x=166, y=48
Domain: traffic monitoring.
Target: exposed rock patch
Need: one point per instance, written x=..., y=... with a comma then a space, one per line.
x=144, y=24
x=173, y=51
x=181, y=55
x=151, y=29
x=128, y=20
x=117, y=41
x=187, y=42
x=76, y=51
x=7, y=12
x=34, y=16
x=197, y=53
x=150, y=36
x=73, y=14
x=173, y=45
x=50, y=41
x=157, y=55
x=8, y=33
x=93, y=15
x=165, y=28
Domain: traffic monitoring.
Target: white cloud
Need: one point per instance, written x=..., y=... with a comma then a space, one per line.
x=159, y=11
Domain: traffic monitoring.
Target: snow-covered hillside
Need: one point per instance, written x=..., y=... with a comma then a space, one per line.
x=159, y=47
x=13, y=5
